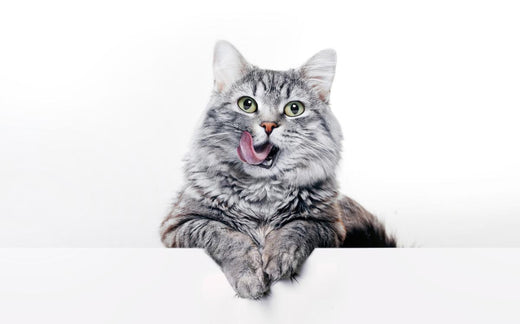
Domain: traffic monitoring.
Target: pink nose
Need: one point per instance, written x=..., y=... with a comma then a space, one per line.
x=269, y=126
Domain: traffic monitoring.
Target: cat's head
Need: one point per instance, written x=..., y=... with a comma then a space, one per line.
x=270, y=124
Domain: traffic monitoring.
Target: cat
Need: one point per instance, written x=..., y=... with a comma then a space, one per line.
x=261, y=191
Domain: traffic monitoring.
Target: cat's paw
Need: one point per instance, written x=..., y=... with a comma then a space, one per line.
x=252, y=285
x=282, y=263
x=246, y=276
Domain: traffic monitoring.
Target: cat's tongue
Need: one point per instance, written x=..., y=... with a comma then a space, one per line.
x=246, y=150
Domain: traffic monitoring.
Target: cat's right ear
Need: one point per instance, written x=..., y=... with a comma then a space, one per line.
x=228, y=65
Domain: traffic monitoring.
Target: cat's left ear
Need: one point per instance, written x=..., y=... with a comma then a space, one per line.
x=228, y=65
x=319, y=71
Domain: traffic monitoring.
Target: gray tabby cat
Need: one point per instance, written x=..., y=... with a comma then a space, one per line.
x=261, y=190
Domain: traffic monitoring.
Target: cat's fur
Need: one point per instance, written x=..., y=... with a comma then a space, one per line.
x=260, y=224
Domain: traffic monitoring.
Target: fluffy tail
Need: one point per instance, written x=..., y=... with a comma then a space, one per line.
x=363, y=228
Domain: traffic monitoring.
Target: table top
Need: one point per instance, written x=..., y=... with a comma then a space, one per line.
x=186, y=286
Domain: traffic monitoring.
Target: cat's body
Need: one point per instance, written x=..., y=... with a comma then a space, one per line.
x=260, y=189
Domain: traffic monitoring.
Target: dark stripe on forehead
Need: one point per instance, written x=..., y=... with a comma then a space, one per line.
x=266, y=81
x=284, y=82
x=271, y=81
x=263, y=84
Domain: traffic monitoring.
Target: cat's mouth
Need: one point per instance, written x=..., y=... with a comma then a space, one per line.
x=270, y=159
x=263, y=155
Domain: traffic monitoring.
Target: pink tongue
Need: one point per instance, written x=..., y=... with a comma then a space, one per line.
x=246, y=151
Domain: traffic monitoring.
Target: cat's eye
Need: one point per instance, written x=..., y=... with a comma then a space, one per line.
x=294, y=108
x=247, y=104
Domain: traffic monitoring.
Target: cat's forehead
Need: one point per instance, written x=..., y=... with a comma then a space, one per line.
x=273, y=84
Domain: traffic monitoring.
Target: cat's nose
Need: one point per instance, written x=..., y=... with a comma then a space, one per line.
x=269, y=126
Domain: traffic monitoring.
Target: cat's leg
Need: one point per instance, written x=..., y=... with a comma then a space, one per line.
x=287, y=248
x=235, y=252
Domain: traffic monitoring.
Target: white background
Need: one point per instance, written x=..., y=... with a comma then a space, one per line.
x=98, y=101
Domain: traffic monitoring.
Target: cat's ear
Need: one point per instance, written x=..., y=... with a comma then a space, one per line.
x=228, y=65
x=319, y=71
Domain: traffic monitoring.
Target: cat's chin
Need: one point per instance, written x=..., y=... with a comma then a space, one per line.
x=255, y=171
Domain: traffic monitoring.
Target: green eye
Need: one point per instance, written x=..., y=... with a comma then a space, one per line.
x=247, y=104
x=294, y=108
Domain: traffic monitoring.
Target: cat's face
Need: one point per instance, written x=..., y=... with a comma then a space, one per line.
x=271, y=124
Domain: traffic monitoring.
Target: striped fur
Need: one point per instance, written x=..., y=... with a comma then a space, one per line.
x=261, y=224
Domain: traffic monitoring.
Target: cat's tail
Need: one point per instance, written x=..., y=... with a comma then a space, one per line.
x=363, y=229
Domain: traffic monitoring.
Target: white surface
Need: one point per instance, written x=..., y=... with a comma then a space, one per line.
x=98, y=99
x=185, y=286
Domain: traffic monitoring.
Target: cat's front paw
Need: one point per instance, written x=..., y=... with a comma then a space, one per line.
x=246, y=276
x=282, y=263
x=252, y=285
